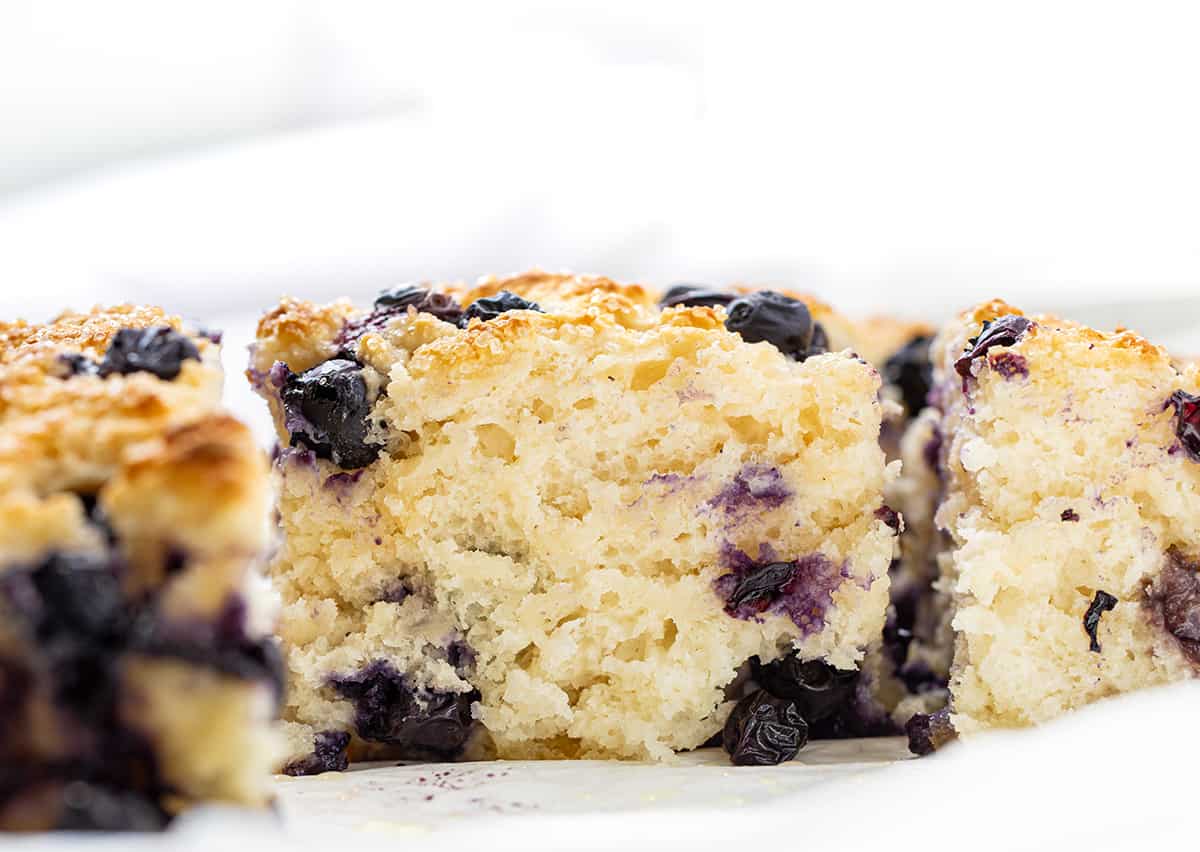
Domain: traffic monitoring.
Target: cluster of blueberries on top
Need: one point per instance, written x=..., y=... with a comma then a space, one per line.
x=72, y=607
x=327, y=408
x=160, y=350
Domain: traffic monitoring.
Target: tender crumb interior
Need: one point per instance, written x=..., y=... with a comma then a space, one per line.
x=1065, y=480
x=560, y=493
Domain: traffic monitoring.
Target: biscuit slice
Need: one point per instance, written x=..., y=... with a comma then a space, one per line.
x=135, y=678
x=1070, y=462
x=543, y=517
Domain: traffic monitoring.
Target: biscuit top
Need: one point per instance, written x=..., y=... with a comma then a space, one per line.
x=70, y=413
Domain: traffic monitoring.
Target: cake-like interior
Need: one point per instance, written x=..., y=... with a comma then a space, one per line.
x=1071, y=465
x=544, y=517
x=135, y=679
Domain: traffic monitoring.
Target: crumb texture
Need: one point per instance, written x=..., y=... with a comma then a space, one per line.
x=558, y=496
x=1072, y=511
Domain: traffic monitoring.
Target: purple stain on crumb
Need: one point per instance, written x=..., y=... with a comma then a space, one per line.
x=278, y=374
x=1009, y=364
x=932, y=451
x=754, y=488
x=801, y=589
x=298, y=457
x=341, y=484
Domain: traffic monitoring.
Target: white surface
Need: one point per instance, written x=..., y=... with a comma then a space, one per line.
x=1118, y=775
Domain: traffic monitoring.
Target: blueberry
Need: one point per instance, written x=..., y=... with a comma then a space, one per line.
x=1003, y=331
x=764, y=730
x=929, y=732
x=221, y=645
x=1101, y=603
x=160, y=350
x=326, y=409
x=694, y=295
x=1069, y=515
x=80, y=595
x=491, y=307
x=1174, y=600
x=759, y=587
x=425, y=300
x=329, y=755
x=772, y=317
x=910, y=370
x=92, y=807
x=818, y=689
x=1187, y=422
x=388, y=710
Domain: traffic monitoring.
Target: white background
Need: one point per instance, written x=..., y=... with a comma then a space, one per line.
x=904, y=157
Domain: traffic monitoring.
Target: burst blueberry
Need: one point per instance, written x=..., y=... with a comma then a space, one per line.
x=160, y=350
x=1102, y=602
x=1187, y=422
x=326, y=409
x=490, y=307
x=388, y=709
x=441, y=305
x=328, y=755
x=1002, y=331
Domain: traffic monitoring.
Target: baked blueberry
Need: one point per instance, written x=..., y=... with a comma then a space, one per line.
x=1174, y=600
x=911, y=371
x=388, y=710
x=160, y=350
x=326, y=409
x=492, y=306
x=1187, y=422
x=93, y=807
x=764, y=730
x=1002, y=331
x=929, y=732
x=768, y=316
x=1103, y=602
x=693, y=295
x=818, y=689
x=759, y=587
x=328, y=755
x=441, y=305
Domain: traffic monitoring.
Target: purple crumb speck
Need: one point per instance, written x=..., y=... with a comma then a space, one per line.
x=278, y=374
x=395, y=593
x=754, y=488
x=1009, y=364
x=1070, y=515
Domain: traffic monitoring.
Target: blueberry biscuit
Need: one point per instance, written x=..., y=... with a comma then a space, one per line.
x=545, y=517
x=1071, y=475
x=134, y=676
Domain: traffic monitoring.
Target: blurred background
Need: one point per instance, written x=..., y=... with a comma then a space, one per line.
x=910, y=157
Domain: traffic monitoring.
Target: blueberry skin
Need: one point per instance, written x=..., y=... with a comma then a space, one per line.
x=910, y=370
x=764, y=730
x=693, y=295
x=818, y=689
x=768, y=316
x=388, y=710
x=326, y=409
x=1187, y=422
x=160, y=350
x=493, y=306
x=425, y=300
x=1002, y=331
x=329, y=755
